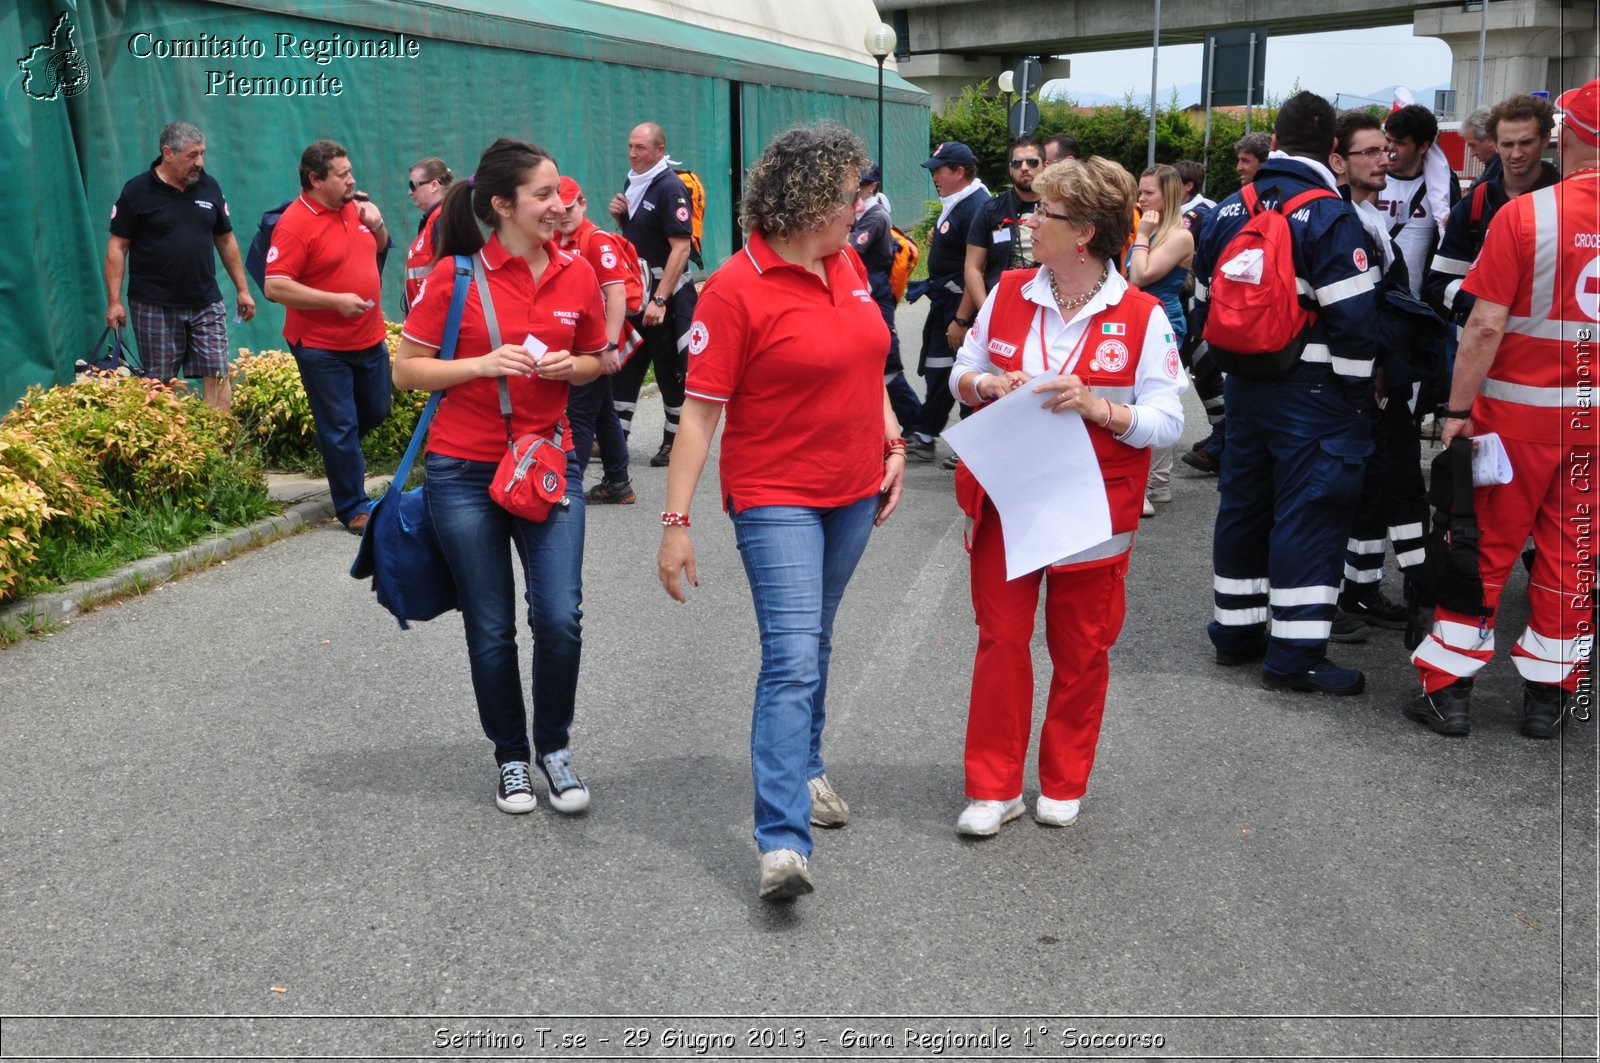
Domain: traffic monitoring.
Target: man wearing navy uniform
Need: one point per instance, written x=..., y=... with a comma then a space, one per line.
x=654, y=212
x=1297, y=441
x=165, y=227
x=873, y=239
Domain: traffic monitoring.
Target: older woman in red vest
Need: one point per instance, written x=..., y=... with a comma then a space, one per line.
x=1091, y=347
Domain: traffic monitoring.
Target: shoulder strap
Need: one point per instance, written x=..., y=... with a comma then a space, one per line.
x=1479, y=195
x=1250, y=198
x=1305, y=197
x=480, y=281
x=1416, y=199
x=452, y=333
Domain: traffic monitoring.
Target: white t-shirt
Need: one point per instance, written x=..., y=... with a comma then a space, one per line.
x=1417, y=236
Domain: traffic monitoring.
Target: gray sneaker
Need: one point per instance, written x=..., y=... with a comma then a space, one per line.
x=827, y=807
x=567, y=792
x=784, y=876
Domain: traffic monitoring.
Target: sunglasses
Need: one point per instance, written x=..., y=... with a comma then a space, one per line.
x=412, y=186
x=1031, y=164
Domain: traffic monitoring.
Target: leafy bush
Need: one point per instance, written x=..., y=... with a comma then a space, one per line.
x=271, y=405
x=87, y=469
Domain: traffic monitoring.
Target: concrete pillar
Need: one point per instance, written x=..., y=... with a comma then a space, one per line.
x=1532, y=45
x=944, y=75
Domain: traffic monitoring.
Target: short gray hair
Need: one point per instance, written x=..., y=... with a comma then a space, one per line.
x=179, y=135
x=1477, y=122
x=1257, y=144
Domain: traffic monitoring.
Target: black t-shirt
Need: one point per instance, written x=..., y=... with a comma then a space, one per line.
x=664, y=212
x=1006, y=242
x=171, y=253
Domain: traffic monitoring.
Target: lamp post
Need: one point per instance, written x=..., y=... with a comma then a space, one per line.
x=880, y=41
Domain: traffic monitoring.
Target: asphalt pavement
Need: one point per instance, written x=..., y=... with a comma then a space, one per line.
x=244, y=815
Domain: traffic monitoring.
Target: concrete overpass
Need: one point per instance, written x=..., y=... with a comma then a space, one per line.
x=1532, y=44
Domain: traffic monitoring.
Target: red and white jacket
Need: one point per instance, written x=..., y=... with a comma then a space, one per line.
x=1121, y=344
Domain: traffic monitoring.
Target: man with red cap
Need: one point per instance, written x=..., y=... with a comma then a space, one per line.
x=1525, y=370
x=589, y=407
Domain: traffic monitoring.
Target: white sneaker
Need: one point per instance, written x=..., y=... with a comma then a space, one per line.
x=1160, y=495
x=828, y=809
x=983, y=818
x=1149, y=510
x=1052, y=813
x=784, y=876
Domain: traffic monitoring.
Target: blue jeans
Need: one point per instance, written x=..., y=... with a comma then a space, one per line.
x=798, y=560
x=349, y=393
x=593, y=418
x=478, y=538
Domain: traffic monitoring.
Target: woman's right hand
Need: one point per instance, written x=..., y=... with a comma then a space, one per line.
x=675, y=562
x=1149, y=221
x=991, y=386
x=508, y=359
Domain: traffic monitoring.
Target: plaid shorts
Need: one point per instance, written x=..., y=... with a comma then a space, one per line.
x=179, y=341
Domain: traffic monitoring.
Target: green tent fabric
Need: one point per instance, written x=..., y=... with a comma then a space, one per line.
x=572, y=75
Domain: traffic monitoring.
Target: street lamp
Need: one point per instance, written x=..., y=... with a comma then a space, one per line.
x=880, y=41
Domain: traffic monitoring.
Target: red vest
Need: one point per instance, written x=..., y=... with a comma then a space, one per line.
x=1109, y=364
x=419, y=259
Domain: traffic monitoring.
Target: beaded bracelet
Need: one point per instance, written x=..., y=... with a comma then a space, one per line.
x=674, y=520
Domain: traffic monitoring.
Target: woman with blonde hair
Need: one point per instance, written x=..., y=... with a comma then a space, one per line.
x=1158, y=263
x=1090, y=347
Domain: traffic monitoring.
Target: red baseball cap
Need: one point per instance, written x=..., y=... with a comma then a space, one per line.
x=569, y=191
x=1582, y=107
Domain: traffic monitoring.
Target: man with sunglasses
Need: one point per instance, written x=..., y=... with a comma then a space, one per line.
x=997, y=240
x=427, y=182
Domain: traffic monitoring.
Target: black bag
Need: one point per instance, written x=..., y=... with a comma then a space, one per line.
x=255, y=256
x=399, y=550
x=110, y=354
x=1450, y=571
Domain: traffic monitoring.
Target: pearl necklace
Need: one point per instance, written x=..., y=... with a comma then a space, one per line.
x=1075, y=301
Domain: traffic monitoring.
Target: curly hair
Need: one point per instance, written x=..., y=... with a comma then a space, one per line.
x=795, y=186
x=1095, y=191
x=1520, y=109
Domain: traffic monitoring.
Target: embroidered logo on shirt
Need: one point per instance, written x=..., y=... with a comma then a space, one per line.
x=608, y=260
x=1112, y=356
x=1113, y=328
x=272, y=253
x=1361, y=260
x=698, y=337
x=568, y=317
x=945, y=227
x=1005, y=350
x=205, y=204
x=683, y=213
x=1173, y=363
x=862, y=238
x=113, y=210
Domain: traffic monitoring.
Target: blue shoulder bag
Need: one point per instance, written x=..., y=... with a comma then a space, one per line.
x=398, y=548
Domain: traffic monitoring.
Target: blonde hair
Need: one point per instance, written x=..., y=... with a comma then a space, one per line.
x=1171, y=186
x=1095, y=191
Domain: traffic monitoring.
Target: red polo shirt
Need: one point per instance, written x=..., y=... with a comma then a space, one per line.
x=563, y=310
x=599, y=248
x=331, y=251
x=799, y=365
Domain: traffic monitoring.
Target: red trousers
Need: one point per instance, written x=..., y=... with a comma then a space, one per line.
x=1084, y=608
x=1552, y=496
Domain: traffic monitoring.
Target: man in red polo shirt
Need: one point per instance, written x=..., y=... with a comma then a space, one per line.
x=323, y=266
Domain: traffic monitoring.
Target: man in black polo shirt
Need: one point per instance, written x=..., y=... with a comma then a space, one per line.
x=655, y=214
x=997, y=240
x=164, y=227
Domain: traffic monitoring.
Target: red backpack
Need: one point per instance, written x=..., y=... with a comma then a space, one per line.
x=635, y=283
x=1255, y=325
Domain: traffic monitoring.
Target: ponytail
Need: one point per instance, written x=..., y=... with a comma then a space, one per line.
x=505, y=165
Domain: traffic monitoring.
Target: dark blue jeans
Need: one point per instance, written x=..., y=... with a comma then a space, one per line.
x=594, y=420
x=349, y=393
x=478, y=539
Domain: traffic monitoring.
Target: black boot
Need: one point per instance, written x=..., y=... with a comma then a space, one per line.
x=1544, y=708
x=1446, y=710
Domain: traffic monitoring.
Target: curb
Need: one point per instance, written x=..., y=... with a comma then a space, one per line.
x=51, y=608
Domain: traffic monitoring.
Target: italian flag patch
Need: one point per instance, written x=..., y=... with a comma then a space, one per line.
x=1113, y=328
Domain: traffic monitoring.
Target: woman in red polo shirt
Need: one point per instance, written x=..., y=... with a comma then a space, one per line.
x=539, y=290
x=1090, y=347
x=787, y=339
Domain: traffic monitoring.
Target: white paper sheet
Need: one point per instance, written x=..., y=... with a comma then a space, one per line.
x=1490, y=463
x=1040, y=470
x=535, y=347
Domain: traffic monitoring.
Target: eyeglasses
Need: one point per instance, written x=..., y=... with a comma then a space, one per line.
x=1041, y=211
x=1031, y=164
x=414, y=185
x=1370, y=154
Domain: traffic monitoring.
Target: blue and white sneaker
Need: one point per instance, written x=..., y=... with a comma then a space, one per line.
x=515, y=791
x=567, y=792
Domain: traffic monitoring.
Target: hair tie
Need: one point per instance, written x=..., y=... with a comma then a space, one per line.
x=471, y=180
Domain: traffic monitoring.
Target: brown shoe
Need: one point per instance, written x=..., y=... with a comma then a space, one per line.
x=357, y=524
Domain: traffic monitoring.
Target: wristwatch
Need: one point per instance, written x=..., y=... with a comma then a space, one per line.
x=612, y=347
x=964, y=322
x=659, y=300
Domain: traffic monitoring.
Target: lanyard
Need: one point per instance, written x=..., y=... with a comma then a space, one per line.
x=1044, y=348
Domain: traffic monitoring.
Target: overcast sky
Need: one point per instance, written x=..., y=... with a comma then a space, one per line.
x=1351, y=62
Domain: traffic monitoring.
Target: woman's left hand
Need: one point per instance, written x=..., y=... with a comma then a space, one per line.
x=1149, y=221
x=894, y=476
x=554, y=365
x=1068, y=393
